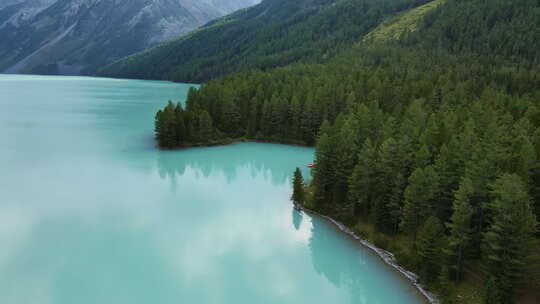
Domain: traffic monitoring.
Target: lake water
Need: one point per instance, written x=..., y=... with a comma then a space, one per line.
x=91, y=212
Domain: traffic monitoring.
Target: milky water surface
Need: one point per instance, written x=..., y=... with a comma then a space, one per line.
x=91, y=212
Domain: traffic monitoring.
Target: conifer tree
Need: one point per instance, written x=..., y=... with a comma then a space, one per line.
x=450, y=165
x=253, y=118
x=391, y=184
x=206, y=128
x=231, y=119
x=345, y=155
x=362, y=183
x=422, y=157
x=460, y=228
x=430, y=242
x=535, y=189
x=419, y=197
x=492, y=292
x=395, y=203
x=180, y=125
x=159, y=128
x=510, y=235
x=295, y=122
x=298, y=196
x=323, y=173
x=168, y=130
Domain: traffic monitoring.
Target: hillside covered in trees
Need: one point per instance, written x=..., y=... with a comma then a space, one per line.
x=427, y=142
x=272, y=34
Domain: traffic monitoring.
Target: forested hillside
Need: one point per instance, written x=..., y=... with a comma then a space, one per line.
x=272, y=34
x=427, y=143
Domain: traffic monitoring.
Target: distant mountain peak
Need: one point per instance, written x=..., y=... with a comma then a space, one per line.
x=78, y=36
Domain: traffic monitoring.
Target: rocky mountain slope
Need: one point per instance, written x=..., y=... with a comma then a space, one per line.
x=77, y=36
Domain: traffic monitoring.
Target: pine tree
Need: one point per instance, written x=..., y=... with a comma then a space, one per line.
x=310, y=120
x=419, y=199
x=159, y=128
x=295, y=122
x=180, y=125
x=298, y=196
x=324, y=171
x=395, y=203
x=430, y=242
x=450, y=165
x=460, y=228
x=267, y=118
x=274, y=118
x=345, y=155
x=510, y=235
x=422, y=157
x=492, y=292
x=391, y=184
x=524, y=156
x=231, y=119
x=253, y=118
x=535, y=189
x=362, y=183
x=206, y=128
x=168, y=129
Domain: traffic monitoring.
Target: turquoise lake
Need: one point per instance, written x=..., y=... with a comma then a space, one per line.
x=91, y=212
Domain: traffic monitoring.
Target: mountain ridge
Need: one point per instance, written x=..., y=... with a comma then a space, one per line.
x=78, y=36
x=271, y=34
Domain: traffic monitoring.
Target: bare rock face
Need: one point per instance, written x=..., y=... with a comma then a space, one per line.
x=73, y=37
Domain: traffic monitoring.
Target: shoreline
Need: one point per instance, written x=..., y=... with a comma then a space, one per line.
x=232, y=141
x=387, y=257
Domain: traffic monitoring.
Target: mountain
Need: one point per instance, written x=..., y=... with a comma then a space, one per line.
x=6, y=3
x=77, y=36
x=273, y=33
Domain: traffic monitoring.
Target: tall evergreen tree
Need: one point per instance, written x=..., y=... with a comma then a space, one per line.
x=391, y=184
x=419, y=199
x=430, y=242
x=298, y=196
x=492, y=292
x=159, y=128
x=535, y=189
x=362, y=183
x=323, y=173
x=509, y=237
x=206, y=128
x=460, y=228
x=345, y=156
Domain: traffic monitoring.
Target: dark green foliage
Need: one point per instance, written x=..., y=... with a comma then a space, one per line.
x=510, y=235
x=429, y=244
x=420, y=198
x=412, y=134
x=323, y=174
x=460, y=228
x=271, y=34
x=535, y=189
x=492, y=292
x=298, y=196
x=176, y=127
x=362, y=181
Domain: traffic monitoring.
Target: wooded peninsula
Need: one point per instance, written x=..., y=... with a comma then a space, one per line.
x=428, y=144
